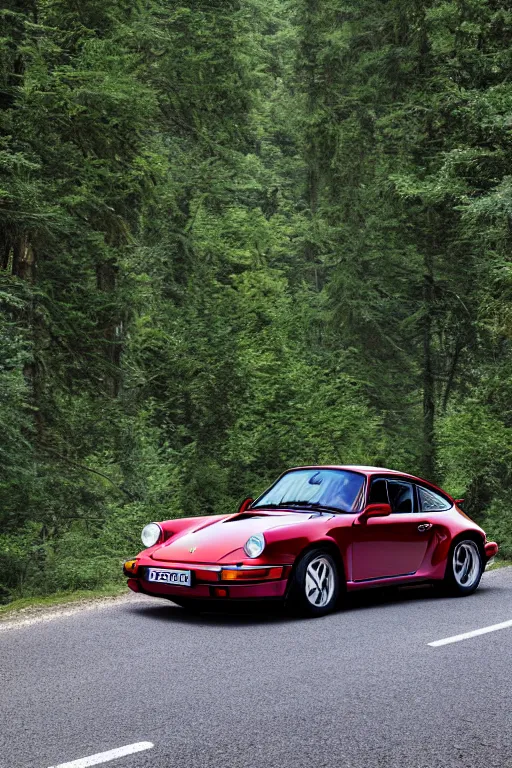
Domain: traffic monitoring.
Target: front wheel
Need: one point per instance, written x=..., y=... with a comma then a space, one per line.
x=315, y=585
x=464, y=569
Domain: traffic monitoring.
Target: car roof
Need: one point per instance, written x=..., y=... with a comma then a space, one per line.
x=362, y=468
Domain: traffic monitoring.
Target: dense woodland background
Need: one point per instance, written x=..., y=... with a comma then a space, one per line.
x=239, y=235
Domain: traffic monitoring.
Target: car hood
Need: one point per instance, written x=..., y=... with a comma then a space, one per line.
x=215, y=541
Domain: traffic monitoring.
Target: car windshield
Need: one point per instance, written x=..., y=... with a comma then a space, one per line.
x=337, y=489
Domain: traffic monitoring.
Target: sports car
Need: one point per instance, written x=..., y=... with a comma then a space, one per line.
x=316, y=534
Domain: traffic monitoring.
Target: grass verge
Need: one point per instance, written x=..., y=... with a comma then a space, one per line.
x=499, y=564
x=61, y=598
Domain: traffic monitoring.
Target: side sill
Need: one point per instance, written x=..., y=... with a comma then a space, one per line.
x=382, y=578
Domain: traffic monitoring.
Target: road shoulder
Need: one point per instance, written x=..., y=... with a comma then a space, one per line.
x=58, y=606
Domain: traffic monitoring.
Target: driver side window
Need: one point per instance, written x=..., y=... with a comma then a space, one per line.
x=379, y=492
x=401, y=496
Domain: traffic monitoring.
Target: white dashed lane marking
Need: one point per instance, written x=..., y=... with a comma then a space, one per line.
x=473, y=633
x=105, y=757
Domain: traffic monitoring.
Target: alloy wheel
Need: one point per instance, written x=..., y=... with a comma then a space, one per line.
x=466, y=563
x=320, y=582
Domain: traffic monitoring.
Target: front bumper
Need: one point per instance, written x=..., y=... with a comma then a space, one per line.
x=227, y=582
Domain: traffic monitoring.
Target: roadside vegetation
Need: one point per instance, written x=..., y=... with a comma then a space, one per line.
x=241, y=235
x=40, y=603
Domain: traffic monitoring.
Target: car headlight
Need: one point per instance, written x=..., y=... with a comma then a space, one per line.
x=151, y=534
x=254, y=546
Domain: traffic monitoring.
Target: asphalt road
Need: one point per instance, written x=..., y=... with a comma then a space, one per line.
x=360, y=688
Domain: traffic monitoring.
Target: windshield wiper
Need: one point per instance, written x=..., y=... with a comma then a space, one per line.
x=316, y=505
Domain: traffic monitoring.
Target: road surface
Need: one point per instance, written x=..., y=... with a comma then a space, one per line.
x=358, y=689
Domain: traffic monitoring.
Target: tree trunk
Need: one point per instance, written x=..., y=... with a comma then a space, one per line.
x=310, y=47
x=24, y=260
x=428, y=369
x=24, y=265
x=106, y=280
x=5, y=250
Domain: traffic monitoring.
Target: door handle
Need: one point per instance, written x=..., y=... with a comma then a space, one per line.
x=424, y=527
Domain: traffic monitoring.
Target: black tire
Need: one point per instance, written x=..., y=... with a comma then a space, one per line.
x=464, y=568
x=302, y=599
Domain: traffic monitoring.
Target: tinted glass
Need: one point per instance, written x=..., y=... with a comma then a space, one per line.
x=401, y=496
x=332, y=487
x=432, y=502
x=378, y=493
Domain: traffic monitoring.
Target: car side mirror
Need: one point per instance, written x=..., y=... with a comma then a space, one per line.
x=244, y=505
x=374, y=510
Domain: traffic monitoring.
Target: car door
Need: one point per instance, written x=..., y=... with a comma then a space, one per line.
x=389, y=546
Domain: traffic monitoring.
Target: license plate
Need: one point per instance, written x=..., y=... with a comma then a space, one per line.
x=170, y=576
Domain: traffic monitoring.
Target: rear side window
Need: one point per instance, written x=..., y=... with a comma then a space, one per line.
x=401, y=496
x=432, y=502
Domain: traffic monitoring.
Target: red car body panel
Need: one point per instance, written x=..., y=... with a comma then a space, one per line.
x=224, y=541
x=400, y=548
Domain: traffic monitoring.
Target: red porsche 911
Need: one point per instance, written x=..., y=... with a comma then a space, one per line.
x=316, y=534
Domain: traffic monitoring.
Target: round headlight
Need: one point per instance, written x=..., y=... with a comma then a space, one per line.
x=151, y=534
x=255, y=545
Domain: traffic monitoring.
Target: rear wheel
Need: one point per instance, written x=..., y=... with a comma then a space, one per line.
x=464, y=569
x=315, y=585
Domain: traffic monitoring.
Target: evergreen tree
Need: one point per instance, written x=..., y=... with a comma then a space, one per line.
x=237, y=236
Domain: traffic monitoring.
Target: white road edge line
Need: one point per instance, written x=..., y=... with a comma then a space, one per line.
x=474, y=633
x=105, y=757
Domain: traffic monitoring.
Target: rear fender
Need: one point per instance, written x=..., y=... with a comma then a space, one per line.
x=475, y=535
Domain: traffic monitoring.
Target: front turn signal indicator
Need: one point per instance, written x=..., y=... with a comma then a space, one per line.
x=130, y=567
x=251, y=574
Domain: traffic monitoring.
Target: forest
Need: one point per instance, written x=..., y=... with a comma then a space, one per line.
x=243, y=235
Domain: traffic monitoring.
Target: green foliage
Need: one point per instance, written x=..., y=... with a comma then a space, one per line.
x=239, y=236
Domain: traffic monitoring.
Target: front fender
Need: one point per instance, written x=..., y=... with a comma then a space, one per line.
x=287, y=543
x=179, y=525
